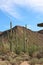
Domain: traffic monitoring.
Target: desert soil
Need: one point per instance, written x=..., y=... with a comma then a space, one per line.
x=24, y=63
x=4, y=63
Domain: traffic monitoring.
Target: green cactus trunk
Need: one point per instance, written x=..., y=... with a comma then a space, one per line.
x=24, y=39
x=16, y=40
x=11, y=36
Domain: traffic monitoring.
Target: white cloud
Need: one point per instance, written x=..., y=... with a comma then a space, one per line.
x=7, y=5
x=34, y=4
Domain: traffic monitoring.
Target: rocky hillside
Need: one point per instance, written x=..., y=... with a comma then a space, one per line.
x=31, y=37
x=41, y=31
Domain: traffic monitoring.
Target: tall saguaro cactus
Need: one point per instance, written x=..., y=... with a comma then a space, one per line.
x=24, y=38
x=10, y=36
x=16, y=39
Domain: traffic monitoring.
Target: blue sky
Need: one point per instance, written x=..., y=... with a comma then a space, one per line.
x=21, y=12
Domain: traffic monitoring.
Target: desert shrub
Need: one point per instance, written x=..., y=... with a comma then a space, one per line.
x=5, y=48
x=25, y=57
x=11, y=60
x=34, y=61
x=19, y=58
x=17, y=50
x=32, y=49
x=40, y=60
x=40, y=54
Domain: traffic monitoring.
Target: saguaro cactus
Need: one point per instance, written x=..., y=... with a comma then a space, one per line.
x=16, y=39
x=24, y=38
x=10, y=36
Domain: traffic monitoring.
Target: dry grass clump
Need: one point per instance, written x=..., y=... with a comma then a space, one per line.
x=33, y=61
x=41, y=61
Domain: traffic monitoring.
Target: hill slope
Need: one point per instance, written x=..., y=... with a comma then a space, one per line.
x=41, y=31
x=31, y=37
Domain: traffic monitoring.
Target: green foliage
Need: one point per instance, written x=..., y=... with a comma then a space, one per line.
x=34, y=61
x=32, y=49
x=41, y=60
x=10, y=37
x=17, y=50
x=40, y=54
x=24, y=39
